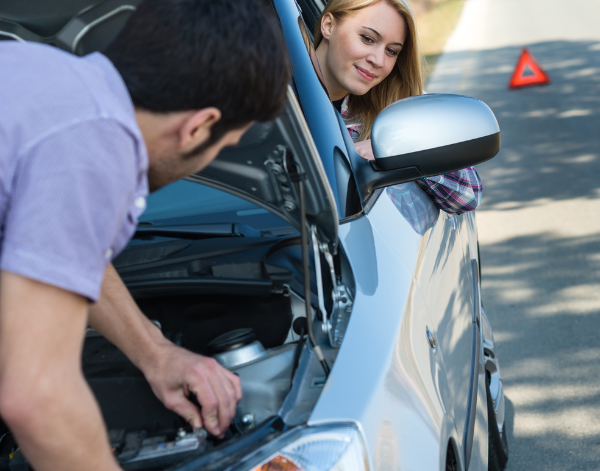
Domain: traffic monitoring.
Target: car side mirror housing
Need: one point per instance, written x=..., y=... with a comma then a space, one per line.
x=428, y=135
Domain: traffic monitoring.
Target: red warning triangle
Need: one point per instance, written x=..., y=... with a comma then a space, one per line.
x=528, y=72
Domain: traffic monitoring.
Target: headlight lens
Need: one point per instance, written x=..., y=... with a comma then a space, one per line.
x=331, y=448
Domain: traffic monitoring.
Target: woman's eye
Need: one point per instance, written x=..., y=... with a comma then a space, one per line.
x=392, y=52
x=367, y=39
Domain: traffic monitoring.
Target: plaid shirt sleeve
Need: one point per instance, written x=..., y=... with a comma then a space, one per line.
x=454, y=193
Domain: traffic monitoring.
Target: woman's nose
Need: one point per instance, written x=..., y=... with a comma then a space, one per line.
x=376, y=57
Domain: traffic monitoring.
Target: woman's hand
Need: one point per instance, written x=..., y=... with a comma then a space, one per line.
x=364, y=149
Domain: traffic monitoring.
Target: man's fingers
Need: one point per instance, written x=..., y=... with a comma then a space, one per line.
x=181, y=405
x=236, y=383
x=227, y=389
x=225, y=397
x=210, y=408
x=217, y=390
x=207, y=393
x=231, y=397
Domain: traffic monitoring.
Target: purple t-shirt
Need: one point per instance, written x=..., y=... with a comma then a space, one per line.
x=73, y=166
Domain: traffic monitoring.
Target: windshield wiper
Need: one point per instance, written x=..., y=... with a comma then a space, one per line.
x=199, y=231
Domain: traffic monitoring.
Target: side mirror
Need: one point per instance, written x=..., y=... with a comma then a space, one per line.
x=428, y=135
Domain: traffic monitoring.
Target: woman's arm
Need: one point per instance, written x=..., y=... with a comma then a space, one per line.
x=454, y=193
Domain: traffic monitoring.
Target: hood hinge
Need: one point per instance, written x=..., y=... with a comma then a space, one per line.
x=334, y=324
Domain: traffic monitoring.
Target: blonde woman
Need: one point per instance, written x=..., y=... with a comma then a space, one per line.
x=369, y=57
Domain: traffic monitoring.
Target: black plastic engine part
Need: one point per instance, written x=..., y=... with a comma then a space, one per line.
x=300, y=326
x=203, y=318
x=125, y=397
x=231, y=340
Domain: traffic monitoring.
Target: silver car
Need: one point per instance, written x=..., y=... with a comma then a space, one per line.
x=348, y=304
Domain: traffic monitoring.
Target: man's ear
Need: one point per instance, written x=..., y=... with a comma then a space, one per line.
x=196, y=128
x=327, y=24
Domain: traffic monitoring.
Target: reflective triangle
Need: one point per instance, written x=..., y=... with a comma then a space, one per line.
x=528, y=72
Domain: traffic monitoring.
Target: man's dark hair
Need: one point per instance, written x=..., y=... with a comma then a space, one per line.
x=179, y=55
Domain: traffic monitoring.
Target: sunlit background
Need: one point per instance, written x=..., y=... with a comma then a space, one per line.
x=539, y=224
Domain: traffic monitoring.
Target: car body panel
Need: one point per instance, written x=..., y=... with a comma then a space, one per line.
x=445, y=281
x=386, y=351
x=385, y=360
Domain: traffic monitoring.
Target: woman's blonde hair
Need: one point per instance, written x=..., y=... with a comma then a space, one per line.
x=406, y=79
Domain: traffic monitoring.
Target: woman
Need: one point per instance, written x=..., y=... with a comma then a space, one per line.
x=369, y=57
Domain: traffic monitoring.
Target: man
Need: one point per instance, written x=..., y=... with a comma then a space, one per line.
x=81, y=140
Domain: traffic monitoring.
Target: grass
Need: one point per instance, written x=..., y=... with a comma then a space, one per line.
x=436, y=20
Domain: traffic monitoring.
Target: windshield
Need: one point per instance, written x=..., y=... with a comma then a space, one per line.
x=184, y=203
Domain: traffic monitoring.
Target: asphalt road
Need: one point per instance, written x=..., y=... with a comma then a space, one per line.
x=539, y=224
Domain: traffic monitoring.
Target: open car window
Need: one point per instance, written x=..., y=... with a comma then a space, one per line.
x=311, y=12
x=308, y=43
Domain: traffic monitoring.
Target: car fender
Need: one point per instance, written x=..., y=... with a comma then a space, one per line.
x=386, y=376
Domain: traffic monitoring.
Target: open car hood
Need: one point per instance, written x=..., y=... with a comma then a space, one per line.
x=262, y=170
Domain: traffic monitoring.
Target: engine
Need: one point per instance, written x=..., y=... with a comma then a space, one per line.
x=143, y=433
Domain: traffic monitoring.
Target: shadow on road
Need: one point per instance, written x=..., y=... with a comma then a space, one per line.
x=546, y=147
x=547, y=326
x=541, y=282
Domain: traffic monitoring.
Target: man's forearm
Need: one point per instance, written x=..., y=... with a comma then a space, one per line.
x=44, y=398
x=173, y=372
x=64, y=429
x=117, y=317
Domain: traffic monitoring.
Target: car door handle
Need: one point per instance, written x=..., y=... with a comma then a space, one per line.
x=431, y=338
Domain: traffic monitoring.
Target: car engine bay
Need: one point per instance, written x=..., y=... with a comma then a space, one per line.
x=251, y=336
x=264, y=349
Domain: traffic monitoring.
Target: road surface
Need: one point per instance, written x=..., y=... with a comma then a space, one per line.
x=539, y=224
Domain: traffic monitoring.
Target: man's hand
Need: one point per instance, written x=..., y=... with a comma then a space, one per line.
x=177, y=373
x=364, y=149
x=173, y=372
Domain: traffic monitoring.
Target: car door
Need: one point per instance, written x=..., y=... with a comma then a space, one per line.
x=445, y=277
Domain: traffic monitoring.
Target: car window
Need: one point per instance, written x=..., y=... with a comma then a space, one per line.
x=347, y=193
x=311, y=12
x=323, y=120
x=308, y=39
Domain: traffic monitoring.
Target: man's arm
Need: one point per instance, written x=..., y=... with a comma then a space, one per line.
x=44, y=398
x=173, y=372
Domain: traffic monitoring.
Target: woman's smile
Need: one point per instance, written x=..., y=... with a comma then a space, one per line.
x=365, y=74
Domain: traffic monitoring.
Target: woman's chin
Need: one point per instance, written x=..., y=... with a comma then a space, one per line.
x=359, y=89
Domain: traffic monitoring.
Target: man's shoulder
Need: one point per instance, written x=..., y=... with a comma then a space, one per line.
x=32, y=54
x=47, y=89
x=33, y=69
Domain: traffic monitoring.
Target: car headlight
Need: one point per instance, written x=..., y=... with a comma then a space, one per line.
x=323, y=448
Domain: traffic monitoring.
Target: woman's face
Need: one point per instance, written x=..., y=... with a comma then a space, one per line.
x=360, y=51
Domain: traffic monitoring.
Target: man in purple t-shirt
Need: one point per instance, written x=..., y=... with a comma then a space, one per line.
x=82, y=141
